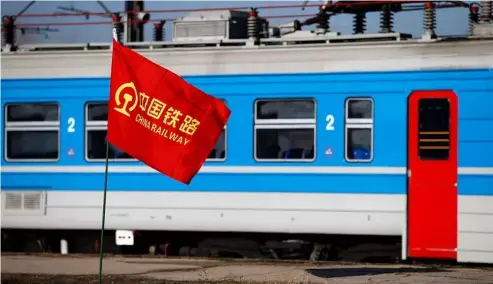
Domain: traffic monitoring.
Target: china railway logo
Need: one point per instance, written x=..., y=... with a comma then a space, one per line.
x=157, y=116
x=128, y=98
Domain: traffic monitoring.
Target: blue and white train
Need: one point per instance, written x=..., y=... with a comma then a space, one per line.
x=393, y=138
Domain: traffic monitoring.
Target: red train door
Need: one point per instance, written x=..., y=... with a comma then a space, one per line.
x=432, y=175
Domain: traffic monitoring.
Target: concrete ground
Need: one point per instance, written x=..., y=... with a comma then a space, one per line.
x=236, y=271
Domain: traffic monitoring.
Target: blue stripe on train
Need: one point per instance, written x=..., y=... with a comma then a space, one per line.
x=215, y=182
x=389, y=91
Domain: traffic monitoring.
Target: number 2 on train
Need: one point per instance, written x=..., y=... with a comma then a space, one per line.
x=71, y=124
x=330, y=122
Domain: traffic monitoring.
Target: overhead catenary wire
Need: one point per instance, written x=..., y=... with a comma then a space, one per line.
x=265, y=7
x=410, y=8
x=137, y=21
x=326, y=10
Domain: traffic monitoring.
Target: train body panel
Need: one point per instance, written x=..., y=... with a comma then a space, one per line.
x=226, y=212
x=304, y=58
x=324, y=178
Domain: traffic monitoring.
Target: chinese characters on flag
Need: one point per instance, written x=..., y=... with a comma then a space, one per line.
x=158, y=118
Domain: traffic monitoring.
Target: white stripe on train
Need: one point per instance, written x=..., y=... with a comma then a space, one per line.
x=235, y=169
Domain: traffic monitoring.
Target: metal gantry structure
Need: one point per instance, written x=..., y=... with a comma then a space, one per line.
x=130, y=22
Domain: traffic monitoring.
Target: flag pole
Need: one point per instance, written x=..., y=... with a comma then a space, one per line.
x=104, y=212
x=105, y=189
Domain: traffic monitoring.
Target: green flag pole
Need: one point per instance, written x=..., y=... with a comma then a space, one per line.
x=101, y=242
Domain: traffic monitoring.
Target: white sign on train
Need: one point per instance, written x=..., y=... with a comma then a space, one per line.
x=124, y=238
x=71, y=125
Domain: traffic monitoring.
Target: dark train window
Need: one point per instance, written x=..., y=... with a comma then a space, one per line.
x=96, y=147
x=285, y=109
x=359, y=144
x=219, y=151
x=32, y=132
x=95, y=135
x=97, y=112
x=32, y=145
x=285, y=130
x=32, y=112
x=434, y=129
x=359, y=109
x=359, y=130
x=289, y=144
x=218, y=154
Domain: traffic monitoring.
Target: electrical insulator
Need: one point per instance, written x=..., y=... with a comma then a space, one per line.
x=8, y=32
x=359, y=23
x=486, y=10
x=252, y=24
x=473, y=17
x=159, y=34
x=430, y=17
x=386, y=19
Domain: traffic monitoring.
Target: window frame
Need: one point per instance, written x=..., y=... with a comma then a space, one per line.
x=285, y=123
x=225, y=128
x=28, y=126
x=92, y=125
x=215, y=160
x=359, y=123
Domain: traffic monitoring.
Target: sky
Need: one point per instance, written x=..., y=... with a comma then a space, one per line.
x=452, y=21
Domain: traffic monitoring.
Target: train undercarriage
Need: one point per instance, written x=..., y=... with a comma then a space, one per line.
x=209, y=244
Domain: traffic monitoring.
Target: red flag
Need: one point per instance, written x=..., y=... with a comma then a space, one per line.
x=158, y=118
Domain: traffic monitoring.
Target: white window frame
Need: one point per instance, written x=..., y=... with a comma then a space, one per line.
x=28, y=126
x=358, y=123
x=285, y=123
x=91, y=125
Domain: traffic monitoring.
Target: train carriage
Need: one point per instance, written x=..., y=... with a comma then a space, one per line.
x=391, y=138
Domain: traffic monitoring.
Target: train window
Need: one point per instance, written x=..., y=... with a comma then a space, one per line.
x=218, y=154
x=359, y=109
x=96, y=146
x=32, y=132
x=96, y=129
x=95, y=135
x=219, y=151
x=434, y=129
x=97, y=112
x=285, y=109
x=32, y=112
x=359, y=130
x=285, y=130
